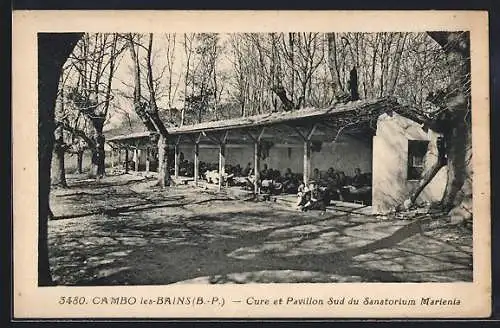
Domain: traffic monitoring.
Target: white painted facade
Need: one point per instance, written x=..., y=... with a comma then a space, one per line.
x=390, y=163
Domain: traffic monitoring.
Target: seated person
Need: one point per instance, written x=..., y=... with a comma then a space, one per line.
x=228, y=179
x=202, y=168
x=359, y=183
x=183, y=168
x=269, y=180
x=316, y=176
x=343, y=179
x=237, y=170
x=330, y=173
x=247, y=170
x=289, y=181
x=238, y=178
x=317, y=199
x=249, y=182
x=323, y=178
x=333, y=187
x=212, y=176
x=264, y=173
x=277, y=184
x=190, y=169
x=303, y=195
x=275, y=175
x=359, y=179
x=359, y=188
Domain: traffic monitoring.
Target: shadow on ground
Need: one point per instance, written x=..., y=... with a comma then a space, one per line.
x=135, y=234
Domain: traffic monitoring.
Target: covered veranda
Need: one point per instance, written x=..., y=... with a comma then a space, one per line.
x=305, y=128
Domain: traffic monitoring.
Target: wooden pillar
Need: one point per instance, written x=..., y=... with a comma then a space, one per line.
x=196, y=162
x=306, y=137
x=307, y=161
x=256, y=158
x=119, y=156
x=136, y=159
x=147, y=159
x=222, y=157
x=126, y=160
x=222, y=163
x=256, y=166
x=139, y=152
x=112, y=158
x=307, y=152
x=177, y=154
x=176, y=160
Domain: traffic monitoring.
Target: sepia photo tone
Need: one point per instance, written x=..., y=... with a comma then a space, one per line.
x=259, y=157
x=184, y=161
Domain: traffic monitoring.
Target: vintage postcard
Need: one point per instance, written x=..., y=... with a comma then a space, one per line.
x=196, y=164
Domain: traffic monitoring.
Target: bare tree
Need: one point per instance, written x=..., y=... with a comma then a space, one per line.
x=333, y=64
x=452, y=119
x=172, y=86
x=94, y=59
x=188, y=51
x=60, y=147
x=241, y=72
x=148, y=110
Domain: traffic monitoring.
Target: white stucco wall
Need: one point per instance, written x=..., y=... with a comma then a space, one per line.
x=344, y=156
x=390, y=161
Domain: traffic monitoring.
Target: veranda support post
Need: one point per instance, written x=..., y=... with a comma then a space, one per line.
x=126, y=160
x=177, y=154
x=136, y=159
x=196, y=162
x=222, y=163
x=147, y=159
x=222, y=159
x=307, y=161
x=256, y=165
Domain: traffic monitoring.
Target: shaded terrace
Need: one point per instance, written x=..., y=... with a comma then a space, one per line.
x=304, y=127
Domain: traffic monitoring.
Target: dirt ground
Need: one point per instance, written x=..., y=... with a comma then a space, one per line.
x=123, y=230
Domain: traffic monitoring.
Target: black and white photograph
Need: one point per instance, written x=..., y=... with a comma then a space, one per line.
x=276, y=157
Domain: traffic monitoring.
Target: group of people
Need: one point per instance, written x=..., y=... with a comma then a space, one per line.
x=270, y=180
x=332, y=185
x=339, y=186
x=325, y=186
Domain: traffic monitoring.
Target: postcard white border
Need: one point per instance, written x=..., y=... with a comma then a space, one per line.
x=31, y=301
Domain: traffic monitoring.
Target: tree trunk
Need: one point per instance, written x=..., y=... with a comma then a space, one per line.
x=183, y=114
x=53, y=50
x=455, y=126
x=426, y=179
x=47, y=87
x=458, y=190
x=59, y=178
x=93, y=164
x=98, y=153
x=152, y=112
x=101, y=156
x=79, y=161
x=163, y=169
x=394, y=73
x=458, y=145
